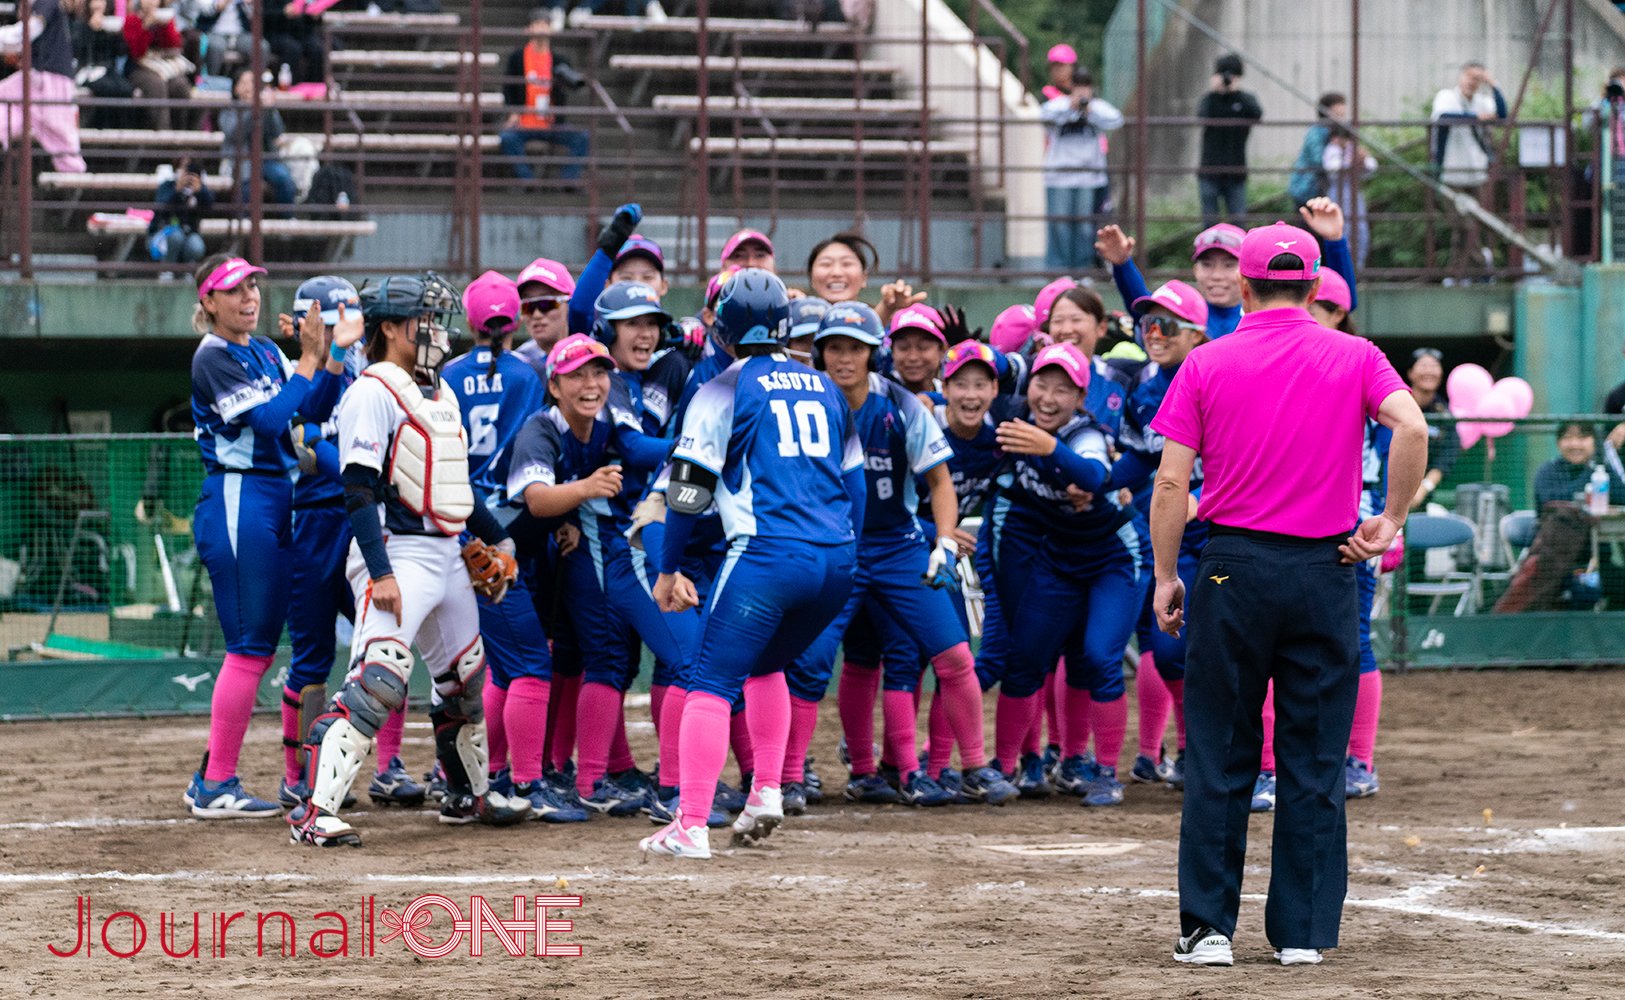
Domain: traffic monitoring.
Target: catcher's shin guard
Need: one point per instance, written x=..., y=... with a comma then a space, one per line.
x=312, y=701
x=458, y=716
x=340, y=738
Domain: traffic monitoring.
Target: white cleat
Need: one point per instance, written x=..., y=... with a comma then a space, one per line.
x=763, y=813
x=1298, y=956
x=678, y=842
x=1206, y=947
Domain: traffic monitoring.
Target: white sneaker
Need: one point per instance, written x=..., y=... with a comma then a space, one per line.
x=578, y=17
x=1298, y=956
x=654, y=12
x=1206, y=947
x=763, y=812
x=678, y=842
x=557, y=17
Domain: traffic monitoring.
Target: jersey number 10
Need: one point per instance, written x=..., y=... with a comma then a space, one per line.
x=813, y=423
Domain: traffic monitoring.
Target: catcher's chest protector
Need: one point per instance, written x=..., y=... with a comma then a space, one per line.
x=428, y=462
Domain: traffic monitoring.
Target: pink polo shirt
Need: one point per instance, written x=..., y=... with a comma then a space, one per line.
x=1277, y=411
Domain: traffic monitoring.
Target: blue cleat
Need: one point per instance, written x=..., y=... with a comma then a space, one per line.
x=1359, y=780
x=663, y=810
x=502, y=781
x=889, y=774
x=870, y=788
x=1147, y=771
x=434, y=780
x=920, y=789
x=394, y=787
x=795, y=798
x=988, y=784
x=547, y=805
x=729, y=799
x=1052, y=758
x=1105, y=789
x=289, y=795
x=225, y=800
x=1264, y=792
x=954, y=783
x=609, y=796
x=1176, y=772
x=1073, y=775
x=1030, y=780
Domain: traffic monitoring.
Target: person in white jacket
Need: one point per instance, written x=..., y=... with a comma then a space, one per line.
x=1461, y=151
x=1075, y=182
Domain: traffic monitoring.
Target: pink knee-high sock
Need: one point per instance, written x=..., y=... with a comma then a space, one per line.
x=1109, y=720
x=657, y=698
x=1176, y=692
x=671, y=726
x=1267, y=758
x=1052, y=703
x=496, y=725
x=704, y=749
x=229, y=710
x=526, y=719
x=958, y=687
x=598, y=711
x=1011, y=722
x=389, y=738
x=1076, y=710
x=1155, y=703
x=855, y=697
x=291, y=765
x=897, y=711
x=942, y=734
x=562, y=708
x=1367, y=707
x=767, y=715
x=803, y=723
x=620, y=752
x=743, y=745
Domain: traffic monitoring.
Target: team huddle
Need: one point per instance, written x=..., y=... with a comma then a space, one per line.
x=747, y=493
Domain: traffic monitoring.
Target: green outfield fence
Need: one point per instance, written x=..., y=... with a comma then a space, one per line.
x=106, y=610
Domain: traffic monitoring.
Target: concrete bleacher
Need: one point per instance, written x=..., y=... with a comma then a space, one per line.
x=690, y=65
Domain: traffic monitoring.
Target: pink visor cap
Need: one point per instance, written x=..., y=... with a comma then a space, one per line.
x=743, y=236
x=919, y=317
x=1063, y=53
x=1223, y=236
x=968, y=352
x=1335, y=290
x=550, y=273
x=1265, y=243
x=1013, y=329
x=574, y=351
x=1067, y=357
x=227, y=275
x=492, y=296
x=1047, y=296
x=1179, y=299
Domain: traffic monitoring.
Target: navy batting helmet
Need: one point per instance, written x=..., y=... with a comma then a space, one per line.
x=624, y=300
x=754, y=308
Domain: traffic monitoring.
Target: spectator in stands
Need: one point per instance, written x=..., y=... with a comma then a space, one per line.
x=54, y=120
x=1063, y=58
x=585, y=8
x=1461, y=150
x=838, y=271
x=1346, y=162
x=174, y=234
x=1566, y=476
x=237, y=124
x=1424, y=376
x=100, y=54
x=156, y=68
x=531, y=71
x=228, y=27
x=1075, y=182
x=295, y=38
x=1308, y=178
x=1224, y=147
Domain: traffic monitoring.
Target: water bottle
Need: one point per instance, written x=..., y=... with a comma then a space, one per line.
x=1597, y=495
x=284, y=77
x=343, y=200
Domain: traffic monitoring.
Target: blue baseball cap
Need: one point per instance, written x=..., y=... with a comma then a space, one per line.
x=636, y=244
x=851, y=319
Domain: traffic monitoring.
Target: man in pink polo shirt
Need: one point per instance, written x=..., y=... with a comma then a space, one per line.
x=1277, y=412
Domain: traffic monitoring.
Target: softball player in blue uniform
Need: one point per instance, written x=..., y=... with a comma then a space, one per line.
x=244, y=393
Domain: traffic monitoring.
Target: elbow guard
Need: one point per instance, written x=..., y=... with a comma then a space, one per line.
x=692, y=487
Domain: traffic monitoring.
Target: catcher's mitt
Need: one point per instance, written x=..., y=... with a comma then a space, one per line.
x=490, y=569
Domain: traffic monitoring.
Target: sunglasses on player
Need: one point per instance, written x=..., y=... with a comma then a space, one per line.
x=541, y=304
x=1166, y=327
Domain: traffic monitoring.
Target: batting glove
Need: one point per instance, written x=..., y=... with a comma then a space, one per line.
x=939, y=571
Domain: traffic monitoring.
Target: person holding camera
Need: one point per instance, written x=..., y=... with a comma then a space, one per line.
x=174, y=235
x=1223, y=177
x=1461, y=152
x=1075, y=182
x=531, y=71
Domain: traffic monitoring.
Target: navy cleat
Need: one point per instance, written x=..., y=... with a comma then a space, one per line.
x=434, y=781
x=1176, y=772
x=871, y=788
x=920, y=789
x=547, y=805
x=225, y=800
x=492, y=809
x=988, y=784
x=1264, y=792
x=1359, y=780
x=609, y=796
x=1147, y=771
x=795, y=798
x=811, y=782
x=729, y=799
x=394, y=787
x=951, y=780
x=1052, y=758
x=1105, y=789
x=663, y=809
x=1030, y=781
x=1072, y=775
x=889, y=774
x=290, y=796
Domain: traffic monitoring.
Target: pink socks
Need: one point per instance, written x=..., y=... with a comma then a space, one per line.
x=767, y=712
x=1109, y=720
x=1176, y=691
x=958, y=687
x=739, y=738
x=897, y=710
x=290, y=732
x=1267, y=758
x=1012, y=720
x=1368, y=706
x=525, y=715
x=803, y=723
x=496, y=726
x=229, y=710
x=1076, y=708
x=657, y=698
x=671, y=726
x=561, y=709
x=620, y=753
x=855, y=697
x=942, y=735
x=598, y=713
x=1155, y=703
x=703, y=751
x=389, y=738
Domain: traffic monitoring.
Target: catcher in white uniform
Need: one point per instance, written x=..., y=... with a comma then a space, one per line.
x=404, y=459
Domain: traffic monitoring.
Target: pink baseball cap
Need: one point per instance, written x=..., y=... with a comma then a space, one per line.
x=550, y=273
x=919, y=316
x=492, y=296
x=643, y=245
x=1178, y=298
x=1223, y=236
x=1265, y=243
x=969, y=352
x=1013, y=328
x=743, y=236
x=228, y=275
x=713, y=288
x=1047, y=296
x=574, y=351
x=1063, y=53
x=1335, y=290
x=1067, y=357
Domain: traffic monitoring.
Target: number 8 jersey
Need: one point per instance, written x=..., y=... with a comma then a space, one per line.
x=779, y=437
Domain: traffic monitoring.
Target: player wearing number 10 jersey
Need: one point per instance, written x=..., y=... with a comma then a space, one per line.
x=773, y=443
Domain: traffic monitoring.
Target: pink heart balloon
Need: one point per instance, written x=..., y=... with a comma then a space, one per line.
x=1467, y=386
x=1518, y=394
x=1469, y=434
x=1497, y=404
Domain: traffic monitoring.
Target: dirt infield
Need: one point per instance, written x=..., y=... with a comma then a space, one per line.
x=877, y=902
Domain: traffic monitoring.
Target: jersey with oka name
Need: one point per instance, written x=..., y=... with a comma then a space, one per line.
x=495, y=406
x=900, y=441
x=228, y=380
x=1035, y=487
x=548, y=452
x=370, y=419
x=779, y=437
x=976, y=459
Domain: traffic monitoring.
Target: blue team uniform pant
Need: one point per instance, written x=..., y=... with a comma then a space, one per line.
x=244, y=536
x=771, y=599
x=321, y=543
x=1366, y=578
x=515, y=642
x=701, y=561
x=1080, y=602
x=1005, y=553
x=604, y=596
x=874, y=638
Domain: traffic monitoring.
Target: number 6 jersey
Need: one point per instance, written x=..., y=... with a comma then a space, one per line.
x=779, y=437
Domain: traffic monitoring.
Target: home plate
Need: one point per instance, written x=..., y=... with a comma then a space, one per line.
x=1062, y=850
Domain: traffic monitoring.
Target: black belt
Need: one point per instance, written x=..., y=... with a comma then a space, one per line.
x=320, y=504
x=1275, y=538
